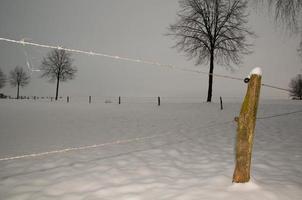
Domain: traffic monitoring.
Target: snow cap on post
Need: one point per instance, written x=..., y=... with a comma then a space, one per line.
x=257, y=71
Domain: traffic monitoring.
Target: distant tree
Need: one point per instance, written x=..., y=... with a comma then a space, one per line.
x=18, y=77
x=212, y=30
x=57, y=66
x=2, y=79
x=295, y=86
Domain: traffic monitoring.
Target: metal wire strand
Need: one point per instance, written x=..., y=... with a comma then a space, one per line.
x=148, y=62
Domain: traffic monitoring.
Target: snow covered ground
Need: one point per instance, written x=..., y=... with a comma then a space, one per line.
x=175, y=151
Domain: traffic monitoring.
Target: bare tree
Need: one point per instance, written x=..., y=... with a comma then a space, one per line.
x=287, y=12
x=2, y=79
x=295, y=86
x=57, y=66
x=18, y=77
x=212, y=30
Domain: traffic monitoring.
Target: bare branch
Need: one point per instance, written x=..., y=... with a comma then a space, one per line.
x=212, y=30
x=57, y=65
x=288, y=12
x=217, y=26
x=18, y=77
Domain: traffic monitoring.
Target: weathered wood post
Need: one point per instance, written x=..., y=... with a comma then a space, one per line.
x=67, y=99
x=246, y=126
x=119, y=100
x=89, y=100
x=158, y=101
x=221, y=105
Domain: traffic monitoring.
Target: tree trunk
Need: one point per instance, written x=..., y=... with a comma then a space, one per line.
x=209, y=98
x=18, y=90
x=245, y=130
x=57, y=89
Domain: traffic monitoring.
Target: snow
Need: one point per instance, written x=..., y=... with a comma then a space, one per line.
x=257, y=71
x=191, y=155
x=249, y=186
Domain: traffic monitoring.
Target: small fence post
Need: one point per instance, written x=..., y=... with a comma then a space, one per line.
x=119, y=100
x=89, y=99
x=221, y=105
x=246, y=127
x=158, y=101
x=67, y=99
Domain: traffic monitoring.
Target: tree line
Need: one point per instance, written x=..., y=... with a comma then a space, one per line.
x=57, y=66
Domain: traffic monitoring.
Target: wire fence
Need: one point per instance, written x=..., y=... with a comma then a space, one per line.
x=137, y=139
x=125, y=99
x=120, y=99
x=127, y=59
x=116, y=142
x=279, y=115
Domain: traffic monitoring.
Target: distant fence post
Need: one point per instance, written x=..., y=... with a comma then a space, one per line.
x=51, y=98
x=158, y=101
x=67, y=99
x=119, y=100
x=89, y=99
x=246, y=127
x=221, y=105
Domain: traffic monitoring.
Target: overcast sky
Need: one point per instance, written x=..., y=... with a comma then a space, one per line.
x=133, y=28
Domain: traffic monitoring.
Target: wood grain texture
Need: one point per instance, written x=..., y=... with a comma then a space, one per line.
x=245, y=130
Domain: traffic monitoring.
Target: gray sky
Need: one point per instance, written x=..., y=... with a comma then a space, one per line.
x=132, y=28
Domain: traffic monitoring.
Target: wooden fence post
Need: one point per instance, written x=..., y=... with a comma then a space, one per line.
x=246, y=127
x=221, y=105
x=67, y=99
x=119, y=100
x=89, y=99
x=158, y=101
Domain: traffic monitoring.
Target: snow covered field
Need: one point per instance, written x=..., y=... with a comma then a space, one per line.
x=175, y=151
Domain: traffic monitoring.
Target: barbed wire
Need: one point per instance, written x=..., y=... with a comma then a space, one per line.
x=148, y=62
x=275, y=87
x=125, y=141
x=280, y=115
x=117, y=142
